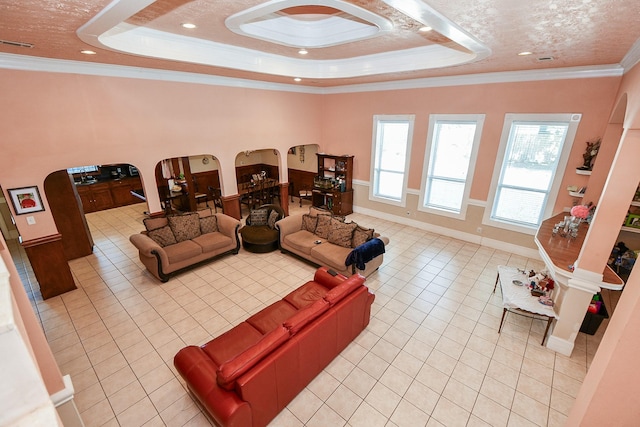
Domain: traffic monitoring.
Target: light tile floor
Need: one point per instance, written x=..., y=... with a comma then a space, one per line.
x=430, y=356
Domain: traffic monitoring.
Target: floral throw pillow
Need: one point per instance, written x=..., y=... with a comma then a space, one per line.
x=185, y=227
x=340, y=233
x=208, y=224
x=273, y=217
x=309, y=223
x=361, y=235
x=162, y=236
x=154, y=223
x=315, y=211
x=323, y=226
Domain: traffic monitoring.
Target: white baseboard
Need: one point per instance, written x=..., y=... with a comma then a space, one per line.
x=66, y=406
x=559, y=345
x=456, y=234
x=64, y=395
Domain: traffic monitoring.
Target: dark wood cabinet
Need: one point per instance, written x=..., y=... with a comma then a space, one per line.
x=95, y=197
x=102, y=198
x=121, y=191
x=332, y=188
x=338, y=202
x=66, y=209
x=86, y=197
x=109, y=194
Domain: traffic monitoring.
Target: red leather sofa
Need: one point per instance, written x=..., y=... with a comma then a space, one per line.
x=247, y=375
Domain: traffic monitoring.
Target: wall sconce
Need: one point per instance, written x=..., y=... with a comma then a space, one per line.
x=301, y=150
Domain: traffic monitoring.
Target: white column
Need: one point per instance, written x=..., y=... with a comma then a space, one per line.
x=612, y=207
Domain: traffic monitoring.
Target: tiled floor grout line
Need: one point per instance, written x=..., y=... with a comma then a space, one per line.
x=431, y=295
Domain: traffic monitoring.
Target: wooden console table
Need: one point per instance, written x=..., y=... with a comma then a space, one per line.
x=560, y=253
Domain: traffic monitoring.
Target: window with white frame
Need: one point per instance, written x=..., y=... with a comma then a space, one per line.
x=390, y=158
x=452, y=146
x=532, y=158
x=83, y=169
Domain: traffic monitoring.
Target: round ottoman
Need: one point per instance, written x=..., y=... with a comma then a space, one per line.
x=259, y=238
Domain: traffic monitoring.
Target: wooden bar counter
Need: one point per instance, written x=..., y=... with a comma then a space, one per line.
x=560, y=253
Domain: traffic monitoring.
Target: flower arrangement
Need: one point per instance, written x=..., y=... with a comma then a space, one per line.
x=584, y=212
x=580, y=211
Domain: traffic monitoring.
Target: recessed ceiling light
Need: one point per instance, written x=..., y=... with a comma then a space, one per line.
x=425, y=29
x=189, y=25
x=303, y=51
x=88, y=52
x=297, y=79
x=525, y=53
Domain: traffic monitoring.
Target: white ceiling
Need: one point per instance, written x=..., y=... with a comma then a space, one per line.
x=348, y=42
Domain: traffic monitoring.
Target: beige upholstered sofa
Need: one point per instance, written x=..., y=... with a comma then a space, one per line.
x=175, y=242
x=326, y=240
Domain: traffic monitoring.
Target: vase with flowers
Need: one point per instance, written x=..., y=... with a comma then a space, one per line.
x=583, y=213
x=570, y=225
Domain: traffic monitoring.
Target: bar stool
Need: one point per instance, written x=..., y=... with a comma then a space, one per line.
x=305, y=194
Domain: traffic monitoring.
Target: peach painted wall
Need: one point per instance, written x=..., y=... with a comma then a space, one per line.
x=30, y=327
x=495, y=100
x=52, y=121
x=630, y=89
x=609, y=392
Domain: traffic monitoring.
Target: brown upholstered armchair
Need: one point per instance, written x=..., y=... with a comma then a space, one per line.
x=260, y=234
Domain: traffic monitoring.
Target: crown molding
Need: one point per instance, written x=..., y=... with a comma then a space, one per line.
x=34, y=63
x=632, y=57
x=586, y=72
x=38, y=64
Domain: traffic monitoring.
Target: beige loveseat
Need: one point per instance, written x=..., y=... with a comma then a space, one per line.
x=326, y=240
x=175, y=242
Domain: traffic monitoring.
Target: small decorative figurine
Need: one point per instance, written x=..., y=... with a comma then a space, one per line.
x=590, y=154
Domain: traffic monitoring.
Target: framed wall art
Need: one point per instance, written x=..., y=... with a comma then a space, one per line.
x=26, y=200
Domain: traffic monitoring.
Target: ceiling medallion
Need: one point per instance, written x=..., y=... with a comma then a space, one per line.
x=310, y=24
x=314, y=23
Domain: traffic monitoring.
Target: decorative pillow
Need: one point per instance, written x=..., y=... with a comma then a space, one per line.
x=162, y=236
x=338, y=217
x=185, y=227
x=323, y=226
x=259, y=216
x=340, y=233
x=315, y=211
x=205, y=212
x=154, y=223
x=273, y=217
x=361, y=235
x=309, y=223
x=208, y=224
